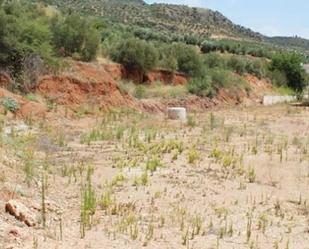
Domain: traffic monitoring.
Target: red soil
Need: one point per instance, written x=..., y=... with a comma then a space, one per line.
x=118, y=72
x=166, y=77
x=258, y=88
x=27, y=108
x=86, y=82
x=5, y=80
x=94, y=84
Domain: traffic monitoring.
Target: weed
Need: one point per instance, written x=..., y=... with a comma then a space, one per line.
x=117, y=180
x=191, y=121
x=197, y=222
x=262, y=223
x=150, y=232
x=231, y=230
x=31, y=97
x=88, y=204
x=212, y=121
x=142, y=180
x=61, y=139
x=10, y=104
x=43, y=197
x=215, y=153
x=221, y=212
x=28, y=158
x=228, y=133
x=134, y=231
x=153, y=164
x=185, y=237
x=107, y=200
x=249, y=226
x=193, y=156
x=251, y=175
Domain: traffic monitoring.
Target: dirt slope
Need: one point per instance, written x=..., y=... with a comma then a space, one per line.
x=84, y=83
x=26, y=108
x=95, y=84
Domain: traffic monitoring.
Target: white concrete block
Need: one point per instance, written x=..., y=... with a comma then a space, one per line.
x=272, y=100
x=177, y=113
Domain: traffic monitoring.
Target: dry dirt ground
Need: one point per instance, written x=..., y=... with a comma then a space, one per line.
x=233, y=178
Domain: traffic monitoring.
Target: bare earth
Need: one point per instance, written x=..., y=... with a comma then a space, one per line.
x=235, y=178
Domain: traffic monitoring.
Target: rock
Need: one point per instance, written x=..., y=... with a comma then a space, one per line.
x=20, y=212
x=14, y=232
x=177, y=113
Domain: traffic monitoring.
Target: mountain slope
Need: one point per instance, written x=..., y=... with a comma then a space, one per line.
x=296, y=42
x=161, y=17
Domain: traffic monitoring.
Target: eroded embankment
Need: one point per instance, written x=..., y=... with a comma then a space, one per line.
x=97, y=86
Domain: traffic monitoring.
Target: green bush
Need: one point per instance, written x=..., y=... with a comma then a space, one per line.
x=10, y=104
x=139, y=92
x=237, y=64
x=256, y=68
x=74, y=34
x=279, y=78
x=201, y=86
x=208, y=46
x=24, y=30
x=136, y=54
x=167, y=57
x=214, y=60
x=291, y=65
x=188, y=60
x=220, y=78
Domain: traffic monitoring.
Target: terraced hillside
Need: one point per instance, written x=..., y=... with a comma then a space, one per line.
x=162, y=17
x=290, y=41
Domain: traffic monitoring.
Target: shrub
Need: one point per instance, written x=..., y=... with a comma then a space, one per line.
x=291, y=65
x=24, y=30
x=220, y=78
x=201, y=86
x=135, y=54
x=237, y=64
x=190, y=39
x=208, y=46
x=279, y=78
x=167, y=57
x=213, y=60
x=10, y=104
x=74, y=34
x=256, y=68
x=188, y=60
x=139, y=92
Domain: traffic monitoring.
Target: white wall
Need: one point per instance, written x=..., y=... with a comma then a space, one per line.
x=272, y=100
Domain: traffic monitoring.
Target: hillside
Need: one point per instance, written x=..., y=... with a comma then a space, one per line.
x=296, y=42
x=176, y=20
x=162, y=17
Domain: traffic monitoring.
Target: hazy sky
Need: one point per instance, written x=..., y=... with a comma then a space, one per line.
x=270, y=17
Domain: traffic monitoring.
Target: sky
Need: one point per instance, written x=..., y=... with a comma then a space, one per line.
x=269, y=17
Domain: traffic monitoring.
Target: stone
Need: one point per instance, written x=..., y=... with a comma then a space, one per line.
x=177, y=113
x=20, y=212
